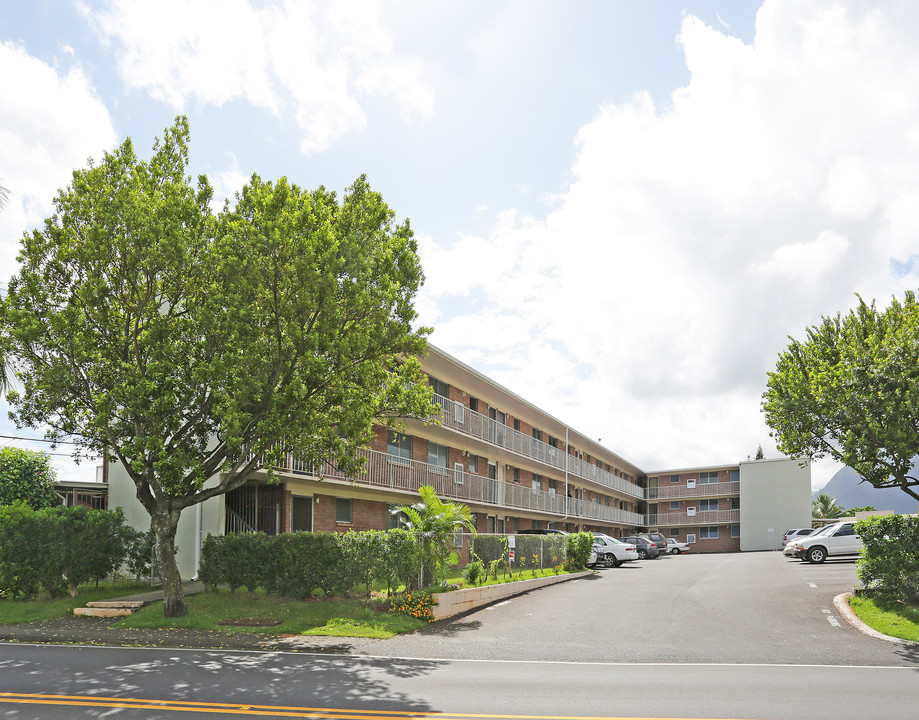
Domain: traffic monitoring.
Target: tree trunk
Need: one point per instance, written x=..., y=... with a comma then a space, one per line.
x=164, y=527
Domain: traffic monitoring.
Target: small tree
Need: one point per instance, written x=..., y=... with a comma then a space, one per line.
x=851, y=391
x=826, y=507
x=26, y=476
x=760, y=455
x=435, y=522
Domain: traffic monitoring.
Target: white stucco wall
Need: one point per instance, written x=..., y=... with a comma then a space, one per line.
x=775, y=495
x=194, y=524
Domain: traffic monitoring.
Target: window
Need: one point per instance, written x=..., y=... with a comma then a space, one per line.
x=735, y=475
x=674, y=504
x=674, y=478
x=458, y=473
x=691, y=511
x=343, y=510
x=474, y=404
x=708, y=505
x=674, y=532
x=516, y=425
x=735, y=531
x=399, y=445
x=708, y=477
x=553, y=442
x=459, y=412
x=537, y=481
x=708, y=533
x=537, y=434
x=474, y=463
x=553, y=485
x=437, y=454
x=735, y=503
x=517, y=475
x=440, y=387
x=393, y=519
x=690, y=538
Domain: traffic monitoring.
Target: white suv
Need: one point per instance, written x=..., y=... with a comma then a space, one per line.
x=833, y=541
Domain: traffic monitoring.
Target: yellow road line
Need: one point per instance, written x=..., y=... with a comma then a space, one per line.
x=278, y=710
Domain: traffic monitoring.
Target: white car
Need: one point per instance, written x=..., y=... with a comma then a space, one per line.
x=675, y=547
x=833, y=540
x=614, y=550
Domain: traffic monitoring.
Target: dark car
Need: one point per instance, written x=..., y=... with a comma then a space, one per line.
x=549, y=531
x=646, y=548
x=660, y=542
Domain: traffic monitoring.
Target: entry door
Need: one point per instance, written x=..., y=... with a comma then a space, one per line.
x=302, y=514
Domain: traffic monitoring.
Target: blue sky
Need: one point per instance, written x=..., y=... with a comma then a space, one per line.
x=623, y=208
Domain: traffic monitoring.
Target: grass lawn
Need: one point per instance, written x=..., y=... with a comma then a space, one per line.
x=22, y=611
x=887, y=616
x=518, y=575
x=257, y=612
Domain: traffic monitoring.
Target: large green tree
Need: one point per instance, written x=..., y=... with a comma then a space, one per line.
x=196, y=348
x=26, y=476
x=850, y=391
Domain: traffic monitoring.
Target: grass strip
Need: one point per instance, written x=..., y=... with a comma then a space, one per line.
x=887, y=616
x=23, y=611
x=333, y=617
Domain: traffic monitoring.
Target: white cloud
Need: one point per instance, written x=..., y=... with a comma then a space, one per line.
x=51, y=122
x=314, y=61
x=695, y=237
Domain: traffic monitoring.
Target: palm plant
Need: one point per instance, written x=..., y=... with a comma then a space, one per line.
x=435, y=522
x=825, y=506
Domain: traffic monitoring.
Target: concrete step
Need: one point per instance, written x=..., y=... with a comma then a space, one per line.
x=132, y=604
x=102, y=612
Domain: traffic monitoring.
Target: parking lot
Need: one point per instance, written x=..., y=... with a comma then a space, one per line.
x=701, y=608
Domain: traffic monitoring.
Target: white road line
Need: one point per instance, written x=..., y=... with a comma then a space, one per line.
x=491, y=607
x=832, y=621
x=813, y=585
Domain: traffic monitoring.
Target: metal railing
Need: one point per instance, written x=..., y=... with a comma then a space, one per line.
x=395, y=473
x=666, y=492
x=704, y=517
x=457, y=416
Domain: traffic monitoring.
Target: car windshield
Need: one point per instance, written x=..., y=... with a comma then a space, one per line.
x=824, y=531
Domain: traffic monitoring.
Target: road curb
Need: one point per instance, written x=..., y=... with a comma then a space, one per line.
x=841, y=603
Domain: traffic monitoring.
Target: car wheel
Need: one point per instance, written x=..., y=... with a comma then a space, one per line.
x=642, y=554
x=675, y=551
x=816, y=554
x=614, y=561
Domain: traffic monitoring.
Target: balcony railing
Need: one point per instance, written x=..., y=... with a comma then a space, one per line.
x=457, y=416
x=387, y=471
x=705, y=517
x=666, y=492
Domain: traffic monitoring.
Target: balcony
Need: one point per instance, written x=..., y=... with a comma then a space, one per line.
x=706, y=517
x=673, y=492
x=457, y=416
x=394, y=473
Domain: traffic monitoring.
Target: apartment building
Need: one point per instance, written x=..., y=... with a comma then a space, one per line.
x=516, y=466
x=727, y=508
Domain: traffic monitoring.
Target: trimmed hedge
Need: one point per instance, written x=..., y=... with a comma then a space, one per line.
x=889, y=562
x=54, y=550
x=298, y=564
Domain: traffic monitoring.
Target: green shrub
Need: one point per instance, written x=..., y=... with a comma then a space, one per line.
x=55, y=548
x=488, y=547
x=474, y=573
x=299, y=564
x=578, y=550
x=889, y=562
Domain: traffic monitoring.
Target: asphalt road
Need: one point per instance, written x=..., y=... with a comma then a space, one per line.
x=726, y=608
x=714, y=636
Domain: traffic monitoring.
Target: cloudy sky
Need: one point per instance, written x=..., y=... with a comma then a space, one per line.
x=624, y=208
